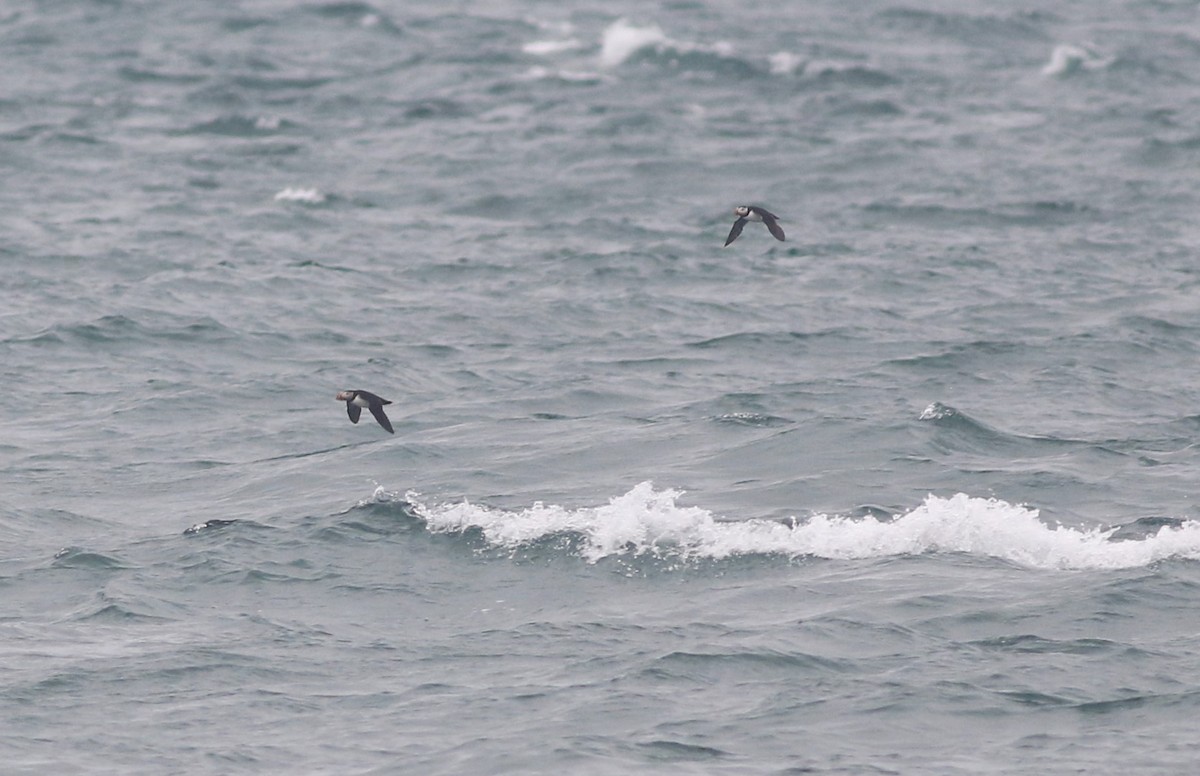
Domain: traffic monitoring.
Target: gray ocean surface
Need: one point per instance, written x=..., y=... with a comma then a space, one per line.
x=913, y=492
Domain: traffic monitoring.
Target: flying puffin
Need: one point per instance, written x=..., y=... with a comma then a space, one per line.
x=754, y=213
x=356, y=400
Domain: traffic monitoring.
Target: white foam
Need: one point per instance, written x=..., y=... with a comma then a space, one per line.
x=305, y=196
x=622, y=40
x=1068, y=58
x=937, y=411
x=539, y=73
x=542, y=48
x=649, y=521
x=785, y=62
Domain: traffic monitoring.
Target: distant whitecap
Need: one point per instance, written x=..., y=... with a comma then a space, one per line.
x=785, y=62
x=1068, y=58
x=304, y=196
x=622, y=40
x=539, y=73
x=542, y=48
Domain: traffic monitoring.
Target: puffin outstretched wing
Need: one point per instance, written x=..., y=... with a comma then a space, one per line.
x=377, y=411
x=353, y=410
x=738, y=225
x=772, y=222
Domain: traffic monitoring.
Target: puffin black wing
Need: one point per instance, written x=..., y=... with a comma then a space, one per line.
x=353, y=410
x=772, y=222
x=377, y=411
x=738, y=225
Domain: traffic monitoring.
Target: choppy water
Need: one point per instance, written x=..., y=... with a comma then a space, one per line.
x=912, y=492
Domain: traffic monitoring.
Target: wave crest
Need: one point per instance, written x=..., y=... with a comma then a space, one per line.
x=646, y=521
x=621, y=42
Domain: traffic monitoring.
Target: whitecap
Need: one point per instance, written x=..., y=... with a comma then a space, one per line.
x=937, y=411
x=542, y=48
x=1068, y=58
x=539, y=73
x=646, y=521
x=785, y=62
x=621, y=40
x=305, y=196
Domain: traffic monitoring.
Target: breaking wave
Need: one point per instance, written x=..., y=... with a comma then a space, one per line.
x=647, y=521
x=622, y=41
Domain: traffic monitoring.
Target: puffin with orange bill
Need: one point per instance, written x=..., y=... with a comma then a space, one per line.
x=746, y=213
x=357, y=401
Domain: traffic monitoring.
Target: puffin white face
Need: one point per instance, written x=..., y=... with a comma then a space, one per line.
x=344, y=395
x=741, y=211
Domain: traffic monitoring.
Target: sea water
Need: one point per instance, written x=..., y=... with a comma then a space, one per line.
x=912, y=492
